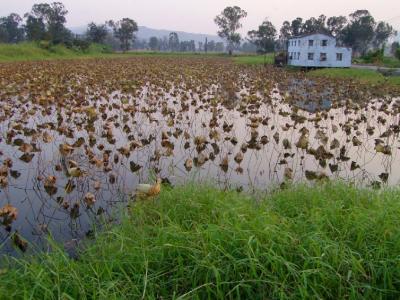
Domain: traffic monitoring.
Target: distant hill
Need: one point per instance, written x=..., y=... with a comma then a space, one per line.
x=146, y=33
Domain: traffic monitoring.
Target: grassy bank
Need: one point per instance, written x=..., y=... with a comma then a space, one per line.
x=387, y=62
x=254, y=59
x=32, y=51
x=369, y=76
x=327, y=242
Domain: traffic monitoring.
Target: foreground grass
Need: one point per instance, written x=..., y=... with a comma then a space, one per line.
x=369, y=76
x=327, y=242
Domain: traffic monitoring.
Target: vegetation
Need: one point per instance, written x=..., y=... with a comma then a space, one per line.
x=328, y=242
x=97, y=33
x=255, y=59
x=47, y=22
x=363, y=75
x=124, y=30
x=368, y=76
x=377, y=58
x=229, y=23
x=264, y=37
x=397, y=53
x=33, y=51
x=360, y=31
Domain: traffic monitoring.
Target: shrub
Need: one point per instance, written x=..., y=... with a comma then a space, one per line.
x=374, y=56
x=397, y=54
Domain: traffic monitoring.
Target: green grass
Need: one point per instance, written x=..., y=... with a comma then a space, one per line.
x=31, y=51
x=368, y=76
x=327, y=242
x=391, y=62
x=388, y=62
x=254, y=59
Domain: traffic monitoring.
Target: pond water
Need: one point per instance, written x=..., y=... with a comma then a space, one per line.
x=246, y=138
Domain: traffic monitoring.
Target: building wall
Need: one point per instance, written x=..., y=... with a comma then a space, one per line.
x=299, y=48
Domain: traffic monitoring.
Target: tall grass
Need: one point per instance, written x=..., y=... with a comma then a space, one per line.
x=326, y=242
x=32, y=51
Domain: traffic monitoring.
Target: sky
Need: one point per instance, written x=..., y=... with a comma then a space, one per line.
x=197, y=15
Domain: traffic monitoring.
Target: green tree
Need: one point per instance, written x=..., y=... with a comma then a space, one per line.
x=360, y=32
x=11, y=30
x=211, y=46
x=296, y=26
x=397, y=54
x=383, y=32
x=173, y=42
x=96, y=33
x=335, y=25
x=53, y=16
x=394, y=47
x=219, y=47
x=124, y=30
x=229, y=22
x=313, y=25
x=35, y=28
x=264, y=37
x=153, y=43
x=285, y=31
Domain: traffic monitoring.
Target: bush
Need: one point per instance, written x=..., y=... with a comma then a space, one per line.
x=45, y=45
x=78, y=45
x=374, y=56
x=397, y=54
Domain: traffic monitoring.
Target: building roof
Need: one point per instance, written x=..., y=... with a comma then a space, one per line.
x=309, y=34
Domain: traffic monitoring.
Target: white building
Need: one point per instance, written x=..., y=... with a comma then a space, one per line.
x=317, y=50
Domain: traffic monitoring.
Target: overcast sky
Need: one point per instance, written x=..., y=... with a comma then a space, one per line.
x=197, y=15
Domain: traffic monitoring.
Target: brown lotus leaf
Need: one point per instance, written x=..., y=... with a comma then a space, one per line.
x=134, y=167
x=188, y=164
x=19, y=242
x=27, y=157
x=288, y=173
x=8, y=213
x=239, y=157
x=89, y=199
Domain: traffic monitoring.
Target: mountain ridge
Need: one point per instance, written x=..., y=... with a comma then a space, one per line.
x=146, y=33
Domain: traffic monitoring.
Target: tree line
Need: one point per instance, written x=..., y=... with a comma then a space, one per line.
x=360, y=30
x=46, y=22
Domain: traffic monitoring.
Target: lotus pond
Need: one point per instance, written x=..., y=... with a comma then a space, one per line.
x=76, y=137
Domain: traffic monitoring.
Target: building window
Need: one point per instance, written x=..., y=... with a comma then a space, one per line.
x=310, y=43
x=295, y=42
x=310, y=56
x=324, y=43
x=322, y=57
x=339, y=56
x=298, y=43
x=298, y=55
